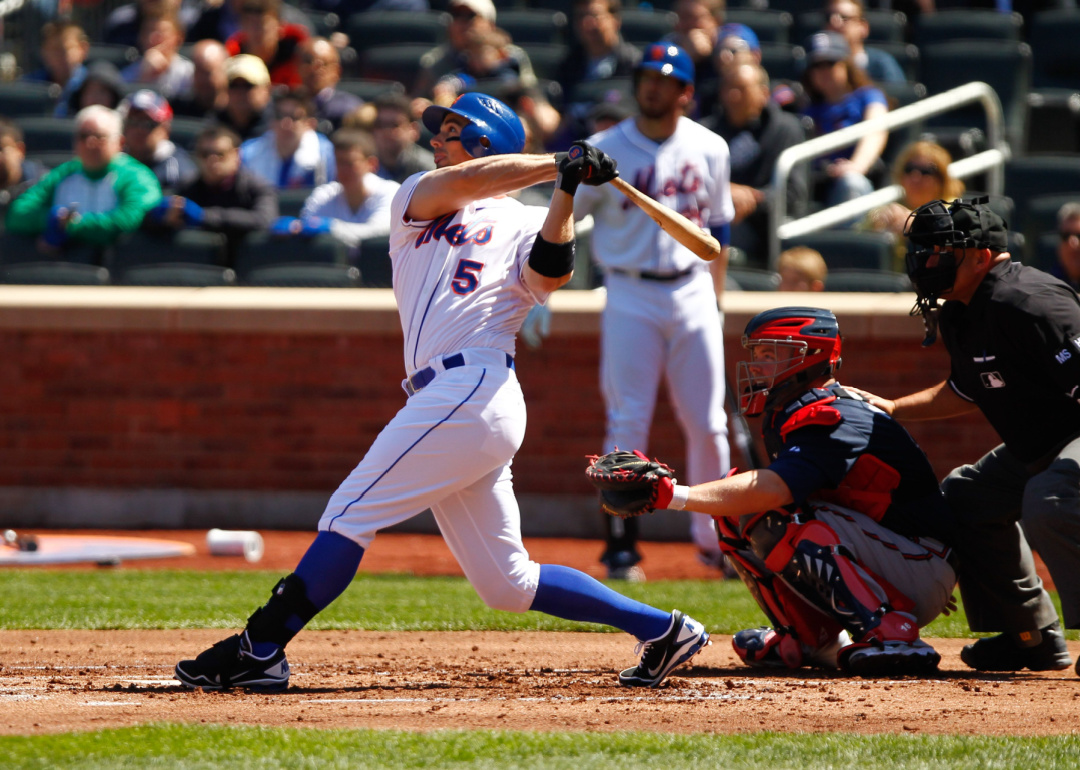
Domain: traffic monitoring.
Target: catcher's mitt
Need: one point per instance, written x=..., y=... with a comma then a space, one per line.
x=630, y=483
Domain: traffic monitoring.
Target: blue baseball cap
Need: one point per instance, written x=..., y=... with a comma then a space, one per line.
x=741, y=32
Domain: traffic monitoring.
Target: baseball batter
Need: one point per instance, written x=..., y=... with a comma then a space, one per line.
x=840, y=539
x=468, y=264
x=661, y=317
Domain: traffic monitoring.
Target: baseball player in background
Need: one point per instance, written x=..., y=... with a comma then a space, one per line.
x=468, y=264
x=661, y=318
x=840, y=539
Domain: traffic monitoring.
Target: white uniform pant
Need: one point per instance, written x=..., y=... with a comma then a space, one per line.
x=654, y=329
x=450, y=449
x=916, y=568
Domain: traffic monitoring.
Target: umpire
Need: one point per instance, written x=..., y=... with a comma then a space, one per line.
x=1013, y=336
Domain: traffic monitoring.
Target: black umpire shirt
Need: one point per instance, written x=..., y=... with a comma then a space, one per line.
x=1015, y=352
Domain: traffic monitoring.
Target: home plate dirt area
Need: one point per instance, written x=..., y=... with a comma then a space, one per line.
x=56, y=681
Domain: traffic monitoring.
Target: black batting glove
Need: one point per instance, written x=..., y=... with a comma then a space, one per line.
x=603, y=170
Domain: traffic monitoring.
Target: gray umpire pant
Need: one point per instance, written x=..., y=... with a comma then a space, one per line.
x=996, y=501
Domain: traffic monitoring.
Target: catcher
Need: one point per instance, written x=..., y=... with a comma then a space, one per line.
x=840, y=540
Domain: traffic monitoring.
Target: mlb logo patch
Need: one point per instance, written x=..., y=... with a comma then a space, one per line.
x=992, y=380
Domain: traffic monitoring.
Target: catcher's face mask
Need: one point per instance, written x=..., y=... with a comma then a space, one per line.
x=789, y=349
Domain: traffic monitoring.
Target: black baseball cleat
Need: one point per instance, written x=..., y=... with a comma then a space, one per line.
x=683, y=640
x=876, y=659
x=231, y=663
x=1002, y=653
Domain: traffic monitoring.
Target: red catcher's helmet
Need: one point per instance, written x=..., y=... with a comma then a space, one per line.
x=790, y=348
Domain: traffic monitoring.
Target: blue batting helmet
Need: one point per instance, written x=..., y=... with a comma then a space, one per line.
x=493, y=129
x=668, y=59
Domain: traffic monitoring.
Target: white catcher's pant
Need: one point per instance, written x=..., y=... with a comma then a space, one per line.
x=654, y=329
x=449, y=449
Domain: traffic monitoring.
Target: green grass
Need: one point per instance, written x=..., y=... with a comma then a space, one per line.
x=255, y=748
x=118, y=599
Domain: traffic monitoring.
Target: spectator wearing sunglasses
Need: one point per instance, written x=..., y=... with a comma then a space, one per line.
x=225, y=197
x=848, y=18
x=1068, y=255
x=292, y=153
x=247, y=111
x=922, y=170
x=92, y=199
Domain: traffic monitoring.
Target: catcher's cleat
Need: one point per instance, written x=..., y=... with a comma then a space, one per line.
x=231, y=663
x=683, y=640
x=1002, y=653
x=761, y=648
x=884, y=659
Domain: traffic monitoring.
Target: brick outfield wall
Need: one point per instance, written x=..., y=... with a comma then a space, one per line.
x=265, y=411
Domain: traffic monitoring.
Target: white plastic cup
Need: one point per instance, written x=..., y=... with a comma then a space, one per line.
x=228, y=542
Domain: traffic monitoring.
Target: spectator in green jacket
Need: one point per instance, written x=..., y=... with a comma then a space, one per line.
x=91, y=200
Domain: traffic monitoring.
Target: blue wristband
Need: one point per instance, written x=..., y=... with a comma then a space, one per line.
x=193, y=212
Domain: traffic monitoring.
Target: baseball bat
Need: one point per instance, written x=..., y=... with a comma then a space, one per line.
x=672, y=222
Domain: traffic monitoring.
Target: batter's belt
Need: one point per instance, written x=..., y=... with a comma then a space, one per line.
x=421, y=378
x=645, y=275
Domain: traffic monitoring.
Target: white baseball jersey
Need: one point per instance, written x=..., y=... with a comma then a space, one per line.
x=457, y=279
x=352, y=226
x=688, y=172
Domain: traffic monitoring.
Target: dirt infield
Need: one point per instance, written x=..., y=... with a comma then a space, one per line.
x=52, y=681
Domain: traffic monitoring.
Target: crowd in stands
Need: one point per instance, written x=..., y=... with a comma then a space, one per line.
x=238, y=117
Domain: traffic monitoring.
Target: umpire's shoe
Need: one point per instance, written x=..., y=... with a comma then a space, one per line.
x=231, y=663
x=682, y=641
x=1002, y=653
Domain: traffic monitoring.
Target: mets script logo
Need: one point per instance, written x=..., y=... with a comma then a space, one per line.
x=684, y=187
x=456, y=235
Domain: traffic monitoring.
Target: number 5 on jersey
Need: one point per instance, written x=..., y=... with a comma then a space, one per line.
x=466, y=277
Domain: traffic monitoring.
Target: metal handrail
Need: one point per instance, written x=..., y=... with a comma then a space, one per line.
x=991, y=160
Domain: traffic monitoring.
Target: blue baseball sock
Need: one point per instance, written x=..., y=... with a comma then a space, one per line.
x=572, y=595
x=327, y=569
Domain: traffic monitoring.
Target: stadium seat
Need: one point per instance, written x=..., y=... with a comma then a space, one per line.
x=1045, y=254
x=54, y=274
x=47, y=134
x=751, y=279
x=783, y=61
x=261, y=250
x=609, y=89
x=291, y=201
x=179, y=274
x=382, y=28
x=184, y=131
x=642, y=26
x=771, y=26
x=1053, y=121
x=853, y=279
x=22, y=249
x=534, y=25
x=546, y=58
x=849, y=249
x=392, y=62
x=1038, y=176
x=19, y=98
x=305, y=276
x=51, y=160
x=119, y=56
x=143, y=250
x=1053, y=38
x=1004, y=65
x=368, y=89
x=374, y=263
x=968, y=24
